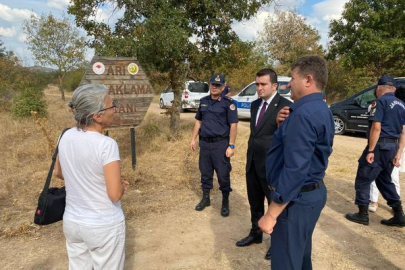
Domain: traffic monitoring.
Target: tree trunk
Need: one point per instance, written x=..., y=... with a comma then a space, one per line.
x=62, y=92
x=176, y=81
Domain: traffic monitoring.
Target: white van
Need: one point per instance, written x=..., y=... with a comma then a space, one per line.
x=249, y=94
x=190, y=98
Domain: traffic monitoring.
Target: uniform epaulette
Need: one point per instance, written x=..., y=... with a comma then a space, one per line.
x=229, y=99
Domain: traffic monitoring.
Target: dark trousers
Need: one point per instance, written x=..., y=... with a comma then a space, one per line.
x=380, y=170
x=291, y=240
x=213, y=157
x=257, y=190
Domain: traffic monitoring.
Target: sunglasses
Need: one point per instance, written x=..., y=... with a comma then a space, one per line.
x=216, y=84
x=114, y=105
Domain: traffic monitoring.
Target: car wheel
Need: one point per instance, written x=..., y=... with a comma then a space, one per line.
x=161, y=104
x=340, y=125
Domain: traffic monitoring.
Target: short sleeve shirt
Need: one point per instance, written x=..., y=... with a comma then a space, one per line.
x=216, y=115
x=390, y=112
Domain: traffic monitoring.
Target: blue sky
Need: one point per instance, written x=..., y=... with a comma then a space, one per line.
x=13, y=12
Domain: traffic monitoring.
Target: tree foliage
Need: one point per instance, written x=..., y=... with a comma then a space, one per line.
x=2, y=50
x=286, y=37
x=370, y=33
x=21, y=87
x=180, y=38
x=10, y=76
x=73, y=79
x=240, y=62
x=343, y=82
x=30, y=100
x=55, y=42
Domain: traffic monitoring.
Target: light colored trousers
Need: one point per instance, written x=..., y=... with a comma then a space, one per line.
x=92, y=247
x=394, y=177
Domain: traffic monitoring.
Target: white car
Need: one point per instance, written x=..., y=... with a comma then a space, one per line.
x=249, y=94
x=190, y=98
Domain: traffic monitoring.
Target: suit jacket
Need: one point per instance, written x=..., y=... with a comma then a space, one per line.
x=260, y=139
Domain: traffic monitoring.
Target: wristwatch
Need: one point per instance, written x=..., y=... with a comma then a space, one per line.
x=232, y=146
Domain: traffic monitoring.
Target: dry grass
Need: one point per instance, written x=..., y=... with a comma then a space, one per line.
x=29, y=145
x=26, y=155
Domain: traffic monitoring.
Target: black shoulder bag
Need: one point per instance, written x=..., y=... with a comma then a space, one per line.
x=51, y=202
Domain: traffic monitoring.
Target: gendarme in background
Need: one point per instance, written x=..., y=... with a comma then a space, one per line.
x=128, y=86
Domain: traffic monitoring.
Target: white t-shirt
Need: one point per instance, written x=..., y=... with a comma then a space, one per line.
x=82, y=156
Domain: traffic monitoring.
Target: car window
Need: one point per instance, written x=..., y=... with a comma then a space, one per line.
x=249, y=91
x=400, y=92
x=366, y=98
x=282, y=88
x=198, y=87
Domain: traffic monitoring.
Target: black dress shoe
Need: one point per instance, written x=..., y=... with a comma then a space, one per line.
x=268, y=254
x=249, y=240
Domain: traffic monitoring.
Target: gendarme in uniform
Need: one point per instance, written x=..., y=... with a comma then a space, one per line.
x=386, y=121
x=215, y=116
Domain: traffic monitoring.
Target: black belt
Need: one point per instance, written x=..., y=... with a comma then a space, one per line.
x=305, y=188
x=388, y=140
x=213, y=139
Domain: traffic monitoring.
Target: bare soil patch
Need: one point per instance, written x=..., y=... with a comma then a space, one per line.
x=163, y=229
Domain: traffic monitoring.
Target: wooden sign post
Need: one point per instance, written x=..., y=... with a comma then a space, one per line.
x=128, y=86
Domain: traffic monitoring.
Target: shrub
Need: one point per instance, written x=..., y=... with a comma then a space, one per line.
x=29, y=100
x=73, y=79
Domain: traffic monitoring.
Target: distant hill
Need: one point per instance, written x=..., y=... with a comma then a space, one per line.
x=43, y=69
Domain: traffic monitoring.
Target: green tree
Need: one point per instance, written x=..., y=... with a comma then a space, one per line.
x=11, y=77
x=285, y=37
x=343, y=82
x=28, y=101
x=2, y=50
x=55, y=43
x=240, y=63
x=370, y=33
x=170, y=36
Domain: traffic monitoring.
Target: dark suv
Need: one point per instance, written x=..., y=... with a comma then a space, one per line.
x=351, y=114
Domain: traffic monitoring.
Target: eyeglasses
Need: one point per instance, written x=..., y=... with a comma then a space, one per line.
x=114, y=105
x=216, y=84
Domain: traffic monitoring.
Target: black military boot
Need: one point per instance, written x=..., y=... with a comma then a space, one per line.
x=225, y=205
x=360, y=217
x=205, y=201
x=397, y=220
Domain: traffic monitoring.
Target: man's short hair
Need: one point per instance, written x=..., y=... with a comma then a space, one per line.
x=388, y=88
x=313, y=65
x=268, y=71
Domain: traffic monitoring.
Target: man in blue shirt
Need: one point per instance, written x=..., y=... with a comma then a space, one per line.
x=382, y=153
x=216, y=124
x=296, y=164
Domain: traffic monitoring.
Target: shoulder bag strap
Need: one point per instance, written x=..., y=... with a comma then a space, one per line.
x=49, y=177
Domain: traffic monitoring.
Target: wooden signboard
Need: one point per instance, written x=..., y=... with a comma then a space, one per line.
x=128, y=86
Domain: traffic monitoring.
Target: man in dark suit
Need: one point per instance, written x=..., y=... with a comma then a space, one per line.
x=263, y=124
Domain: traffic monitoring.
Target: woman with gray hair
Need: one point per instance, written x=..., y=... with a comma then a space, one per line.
x=88, y=161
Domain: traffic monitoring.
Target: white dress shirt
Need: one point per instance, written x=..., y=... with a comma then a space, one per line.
x=261, y=105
